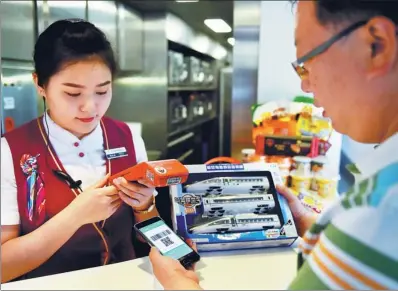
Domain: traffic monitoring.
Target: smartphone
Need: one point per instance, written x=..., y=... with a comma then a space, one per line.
x=157, y=233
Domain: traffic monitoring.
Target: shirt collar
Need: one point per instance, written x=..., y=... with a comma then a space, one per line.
x=382, y=156
x=58, y=135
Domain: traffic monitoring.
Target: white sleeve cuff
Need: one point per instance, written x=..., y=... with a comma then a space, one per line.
x=9, y=201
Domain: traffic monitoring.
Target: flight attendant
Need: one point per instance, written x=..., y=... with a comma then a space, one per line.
x=58, y=211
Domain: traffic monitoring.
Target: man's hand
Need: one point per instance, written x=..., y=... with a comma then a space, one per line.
x=171, y=274
x=303, y=217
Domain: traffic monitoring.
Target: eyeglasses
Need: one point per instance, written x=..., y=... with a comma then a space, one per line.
x=298, y=65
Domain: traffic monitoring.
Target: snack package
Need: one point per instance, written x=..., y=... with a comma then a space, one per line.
x=309, y=200
x=290, y=119
x=321, y=127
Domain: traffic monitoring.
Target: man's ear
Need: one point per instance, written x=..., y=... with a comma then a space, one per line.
x=382, y=40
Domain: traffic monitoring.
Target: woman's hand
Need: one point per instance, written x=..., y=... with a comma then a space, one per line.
x=303, y=217
x=96, y=203
x=138, y=195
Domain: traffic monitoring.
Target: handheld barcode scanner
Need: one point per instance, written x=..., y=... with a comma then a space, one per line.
x=156, y=173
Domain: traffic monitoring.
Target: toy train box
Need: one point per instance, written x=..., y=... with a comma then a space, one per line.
x=232, y=206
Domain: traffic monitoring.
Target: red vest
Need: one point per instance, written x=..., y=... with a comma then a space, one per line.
x=93, y=244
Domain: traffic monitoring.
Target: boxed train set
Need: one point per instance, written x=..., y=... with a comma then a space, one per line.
x=232, y=206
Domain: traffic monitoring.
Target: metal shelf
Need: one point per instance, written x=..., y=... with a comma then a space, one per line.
x=190, y=88
x=190, y=126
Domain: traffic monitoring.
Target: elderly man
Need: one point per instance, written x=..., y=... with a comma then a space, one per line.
x=348, y=57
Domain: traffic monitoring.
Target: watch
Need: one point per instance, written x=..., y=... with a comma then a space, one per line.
x=149, y=209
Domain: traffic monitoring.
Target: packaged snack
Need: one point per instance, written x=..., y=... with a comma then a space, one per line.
x=304, y=125
x=286, y=146
x=321, y=127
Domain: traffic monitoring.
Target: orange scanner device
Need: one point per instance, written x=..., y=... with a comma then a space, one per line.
x=156, y=173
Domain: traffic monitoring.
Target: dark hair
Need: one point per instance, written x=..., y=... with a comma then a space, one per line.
x=67, y=41
x=339, y=11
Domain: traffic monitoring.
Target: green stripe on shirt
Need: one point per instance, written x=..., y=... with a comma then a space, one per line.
x=317, y=228
x=356, y=198
x=346, y=203
x=361, y=186
x=306, y=279
x=363, y=253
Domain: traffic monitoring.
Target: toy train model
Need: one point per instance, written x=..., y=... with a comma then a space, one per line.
x=221, y=205
x=229, y=185
x=236, y=223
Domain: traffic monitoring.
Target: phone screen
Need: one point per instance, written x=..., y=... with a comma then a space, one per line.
x=165, y=240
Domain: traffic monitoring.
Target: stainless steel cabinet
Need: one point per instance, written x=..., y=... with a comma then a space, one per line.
x=103, y=14
x=66, y=9
x=130, y=39
x=51, y=11
x=18, y=95
x=17, y=23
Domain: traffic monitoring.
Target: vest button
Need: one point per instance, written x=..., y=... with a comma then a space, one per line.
x=76, y=144
x=81, y=155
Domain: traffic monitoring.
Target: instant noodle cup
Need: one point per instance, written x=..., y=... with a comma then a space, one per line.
x=284, y=163
x=257, y=159
x=247, y=155
x=285, y=174
x=302, y=165
x=326, y=185
x=318, y=164
x=300, y=181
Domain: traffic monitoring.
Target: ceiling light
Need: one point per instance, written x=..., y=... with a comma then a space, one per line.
x=231, y=41
x=218, y=25
x=186, y=1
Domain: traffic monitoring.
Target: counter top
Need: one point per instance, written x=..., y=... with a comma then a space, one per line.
x=259, y=269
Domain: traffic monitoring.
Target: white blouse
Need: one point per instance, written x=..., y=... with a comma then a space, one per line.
x=88, y=167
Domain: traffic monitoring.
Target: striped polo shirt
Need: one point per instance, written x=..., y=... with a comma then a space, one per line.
x=354, y=243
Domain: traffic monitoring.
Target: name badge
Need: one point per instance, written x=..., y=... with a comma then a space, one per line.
x=116, y=153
